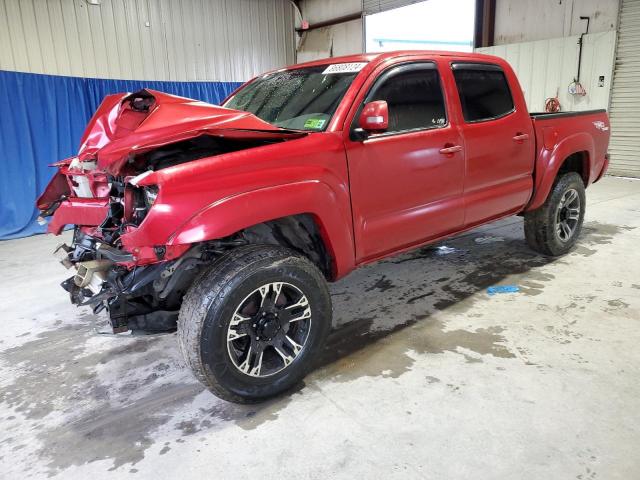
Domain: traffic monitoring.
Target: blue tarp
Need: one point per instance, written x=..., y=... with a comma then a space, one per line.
x=42, y=118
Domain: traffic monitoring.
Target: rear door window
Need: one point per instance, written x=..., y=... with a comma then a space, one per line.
x=483, y=90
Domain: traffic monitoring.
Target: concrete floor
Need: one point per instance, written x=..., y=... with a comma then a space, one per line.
x=425, y=376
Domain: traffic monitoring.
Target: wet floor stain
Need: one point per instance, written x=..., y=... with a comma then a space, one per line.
x=616, y=304
x=425, y=286
x=54, y=377
x=382, y=284
x=87, y=404
x=391, y=355
x=419, y=297
x=584, y=251
x=597, y=233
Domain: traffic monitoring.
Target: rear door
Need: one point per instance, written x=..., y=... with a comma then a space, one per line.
x=404, y=190
x=499, y=142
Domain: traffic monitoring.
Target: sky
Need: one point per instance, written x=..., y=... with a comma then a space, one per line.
x=428, y=25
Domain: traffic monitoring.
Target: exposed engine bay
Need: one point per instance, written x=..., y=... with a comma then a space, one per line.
x=102, y=193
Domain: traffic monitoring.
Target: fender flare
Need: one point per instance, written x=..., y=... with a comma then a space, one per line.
x=231, y=214
x=550, y=161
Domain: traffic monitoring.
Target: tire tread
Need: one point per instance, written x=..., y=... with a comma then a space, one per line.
x=209, y=290
x=539, y=224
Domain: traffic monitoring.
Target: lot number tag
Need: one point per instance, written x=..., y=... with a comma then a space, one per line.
x=344, y=67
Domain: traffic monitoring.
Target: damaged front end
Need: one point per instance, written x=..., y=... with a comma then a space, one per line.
x=125, y=259
x=138, y=298
x=139, y=286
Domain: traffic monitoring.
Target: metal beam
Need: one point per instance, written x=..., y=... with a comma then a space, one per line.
x=333, y=21
x=485, y=23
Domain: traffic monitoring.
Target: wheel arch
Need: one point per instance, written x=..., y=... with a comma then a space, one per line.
x=573, y=154
x=302, y=233
x=577, y=162
x=305, y=216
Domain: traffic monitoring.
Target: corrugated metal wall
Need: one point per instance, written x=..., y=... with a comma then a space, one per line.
x=531, y=20
x=547, y=66
x=377, y=6
x=625, y=97
x=186, y=40
x=195, y=48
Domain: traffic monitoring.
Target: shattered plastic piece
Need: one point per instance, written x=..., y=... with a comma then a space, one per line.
x=503, y=289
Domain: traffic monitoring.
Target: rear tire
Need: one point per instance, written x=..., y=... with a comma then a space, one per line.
x=251, y=326
x=554, y=228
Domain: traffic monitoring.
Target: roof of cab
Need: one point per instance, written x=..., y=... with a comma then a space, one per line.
x=380, y=57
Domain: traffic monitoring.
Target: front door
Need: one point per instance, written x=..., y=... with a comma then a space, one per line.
x=406, y=182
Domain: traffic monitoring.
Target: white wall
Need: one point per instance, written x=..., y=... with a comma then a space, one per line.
x=529, y=20
x=334, y=41
x=320, y=10
x=186, y=40
x=546, y=66
x=341, y=39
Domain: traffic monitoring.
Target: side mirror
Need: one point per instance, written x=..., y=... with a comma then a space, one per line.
x=374, y=116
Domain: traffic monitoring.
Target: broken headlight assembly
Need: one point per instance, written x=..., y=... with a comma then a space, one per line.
x=150, y=194
x=144, y=198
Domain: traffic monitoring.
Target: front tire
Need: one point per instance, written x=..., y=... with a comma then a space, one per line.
x=251, y=326
x=554, y=228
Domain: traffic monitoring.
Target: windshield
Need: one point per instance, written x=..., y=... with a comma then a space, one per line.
x=301, y=99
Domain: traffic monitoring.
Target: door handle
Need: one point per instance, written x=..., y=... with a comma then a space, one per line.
x=520, y=137
x=451, y=150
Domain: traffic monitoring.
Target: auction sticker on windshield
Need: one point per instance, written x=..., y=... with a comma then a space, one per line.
x=344, y=67
x=314, y=123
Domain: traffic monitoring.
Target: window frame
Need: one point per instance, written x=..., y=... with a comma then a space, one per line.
x=482, y=67
x=396, y=69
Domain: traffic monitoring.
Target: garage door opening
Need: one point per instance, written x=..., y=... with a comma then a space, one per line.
x=428, y=25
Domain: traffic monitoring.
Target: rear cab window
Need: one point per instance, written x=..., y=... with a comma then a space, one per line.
x=483, y=90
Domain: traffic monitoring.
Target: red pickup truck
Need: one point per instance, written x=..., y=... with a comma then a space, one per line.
x=227, y=222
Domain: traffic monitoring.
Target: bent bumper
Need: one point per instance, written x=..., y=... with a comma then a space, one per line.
x=138, y=297
x=79, y=211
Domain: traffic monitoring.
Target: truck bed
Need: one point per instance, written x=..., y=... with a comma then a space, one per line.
x=549, y=116
x=581, y=136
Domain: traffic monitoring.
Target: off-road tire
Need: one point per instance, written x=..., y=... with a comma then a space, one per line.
x=540, y=225
x=210, y=303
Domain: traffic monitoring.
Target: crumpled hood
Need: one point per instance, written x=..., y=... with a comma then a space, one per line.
x=130, y=124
